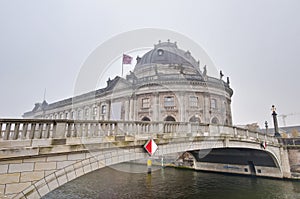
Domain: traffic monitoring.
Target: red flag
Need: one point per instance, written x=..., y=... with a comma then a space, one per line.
x=126, y=59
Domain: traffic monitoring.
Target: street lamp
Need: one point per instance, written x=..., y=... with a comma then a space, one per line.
x=274, y=114
x=266, y=125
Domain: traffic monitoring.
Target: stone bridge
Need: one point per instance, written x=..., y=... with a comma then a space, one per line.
x=37, y=156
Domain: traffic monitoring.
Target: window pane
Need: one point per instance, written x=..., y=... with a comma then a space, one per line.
x=213, y=103
x=145, y=103
x=103, y=109
x=169, y=101
x=95, y=110
x=193, y=101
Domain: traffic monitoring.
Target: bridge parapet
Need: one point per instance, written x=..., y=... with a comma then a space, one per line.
x=33, y=132
x=41, y=155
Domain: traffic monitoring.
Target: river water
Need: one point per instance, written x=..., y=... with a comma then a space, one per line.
x=173, y=183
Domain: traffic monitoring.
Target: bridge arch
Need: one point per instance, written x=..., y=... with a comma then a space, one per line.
x=97, y=160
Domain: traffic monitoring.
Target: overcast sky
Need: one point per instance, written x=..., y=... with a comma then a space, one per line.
x=43, y=44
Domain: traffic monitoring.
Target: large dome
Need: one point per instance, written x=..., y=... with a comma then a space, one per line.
x=167, y=53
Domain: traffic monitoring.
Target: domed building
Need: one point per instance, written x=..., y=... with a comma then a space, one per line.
x=166, y=84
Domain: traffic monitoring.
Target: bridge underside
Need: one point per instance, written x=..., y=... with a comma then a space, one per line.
x=237, y=160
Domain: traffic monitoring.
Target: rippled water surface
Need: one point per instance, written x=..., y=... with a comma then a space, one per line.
x=173, y=183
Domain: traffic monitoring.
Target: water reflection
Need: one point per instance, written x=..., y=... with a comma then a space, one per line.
x=173, y=183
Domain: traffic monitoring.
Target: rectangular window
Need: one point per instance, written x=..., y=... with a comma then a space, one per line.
x=169, y=101
x=213, y=103
x=146, y=103
x=193, y=101
x=103, y=109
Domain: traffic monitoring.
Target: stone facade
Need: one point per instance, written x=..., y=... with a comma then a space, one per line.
x=166, y=85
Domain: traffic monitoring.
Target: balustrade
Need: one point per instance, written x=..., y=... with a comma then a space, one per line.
x=25, y=129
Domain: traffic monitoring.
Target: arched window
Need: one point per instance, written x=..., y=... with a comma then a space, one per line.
x=170, y=119
x=67, y=115
x=215, y=121
x=195, y=119
x=146, y=119
x=72, y=115
x=87, y=112
x=79, y=115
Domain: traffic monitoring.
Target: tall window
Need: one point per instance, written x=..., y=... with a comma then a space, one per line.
x=146, y=103
x=103, y=109
x=95, y=110
x=79, y=114
x=87, y=112
x=213, y=103
x=193, y=101
x=72, y=115
x=169, y=101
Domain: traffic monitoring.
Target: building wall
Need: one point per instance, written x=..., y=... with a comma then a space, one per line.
x=188, y=103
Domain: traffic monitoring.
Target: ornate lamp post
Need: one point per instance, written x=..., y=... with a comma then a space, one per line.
x=274, y=114
x=266, y=125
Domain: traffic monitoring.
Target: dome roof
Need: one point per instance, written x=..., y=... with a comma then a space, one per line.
x=167, y=53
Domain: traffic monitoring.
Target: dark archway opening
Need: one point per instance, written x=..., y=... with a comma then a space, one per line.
x=170, y=119
x=215, y=121
x=195, y=119
x=238, y=156
x=146, y=119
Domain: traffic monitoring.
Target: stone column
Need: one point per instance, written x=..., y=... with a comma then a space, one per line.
x=108, y=109
x=127, y=108
x=155, y=106
x=135, y=108
x=182, y=106
x=206, y=108
x=130, y=109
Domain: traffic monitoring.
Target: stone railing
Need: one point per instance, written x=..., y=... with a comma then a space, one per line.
x=40, y=129
x=290, y=141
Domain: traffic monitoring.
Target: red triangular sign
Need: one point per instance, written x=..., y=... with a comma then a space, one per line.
x=150, y=147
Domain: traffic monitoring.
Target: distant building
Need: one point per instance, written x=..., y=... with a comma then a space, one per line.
x=286, y=132
x=165, y=85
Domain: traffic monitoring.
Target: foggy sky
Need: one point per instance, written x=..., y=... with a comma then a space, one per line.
x=43, y=44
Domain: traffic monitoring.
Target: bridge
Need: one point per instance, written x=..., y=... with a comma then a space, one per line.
x=37, y=156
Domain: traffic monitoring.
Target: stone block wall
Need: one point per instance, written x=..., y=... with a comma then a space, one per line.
x=294, y=159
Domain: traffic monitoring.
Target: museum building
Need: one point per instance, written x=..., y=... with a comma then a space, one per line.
x=166, y=84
